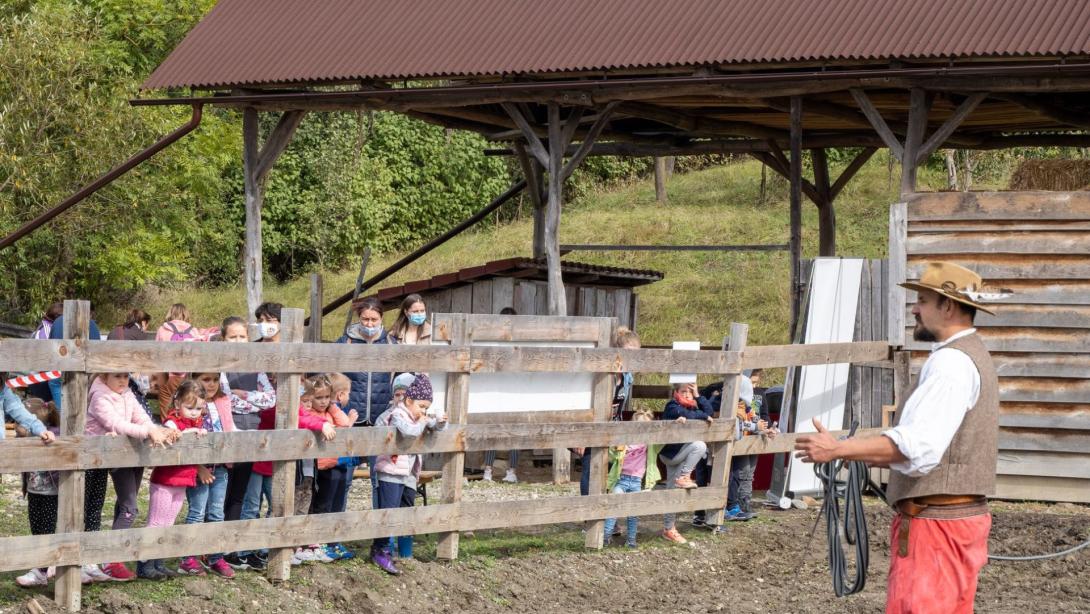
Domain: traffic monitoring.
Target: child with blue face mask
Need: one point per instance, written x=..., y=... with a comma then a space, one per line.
x=412, y=326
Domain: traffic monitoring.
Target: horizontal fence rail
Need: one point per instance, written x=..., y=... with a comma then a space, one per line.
x=151, y=356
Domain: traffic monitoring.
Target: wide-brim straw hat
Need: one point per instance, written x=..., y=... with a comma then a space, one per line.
x=956, y=283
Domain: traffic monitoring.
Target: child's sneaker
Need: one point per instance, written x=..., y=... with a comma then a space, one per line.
x=631, y=545
x=339, y=552
x=735, y=513
x=254, y=561
x=699, y=521
x=162, y=568
x=147, y=570
x=222, y=569
x=510, y=477
x=34, y=577
x=385, y=562
x=304, y=554
x=487, y=477
x=684, y=482
x=321, y=555
x=674, y=536
x=191, y=566
x=118, y=572
x=91, y=573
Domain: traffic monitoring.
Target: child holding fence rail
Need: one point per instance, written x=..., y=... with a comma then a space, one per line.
x=39, y=487
x=114, y=410
x=681, y=459
x=206, y=497
x=329, y=478
x=398, y=473
x=169, y=484
x=632, y=469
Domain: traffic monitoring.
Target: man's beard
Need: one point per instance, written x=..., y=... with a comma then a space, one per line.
x=921, y=333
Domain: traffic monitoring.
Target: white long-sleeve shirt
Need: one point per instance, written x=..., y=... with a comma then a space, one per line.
x=949, y=386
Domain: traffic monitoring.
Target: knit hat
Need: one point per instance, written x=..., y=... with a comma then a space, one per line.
x=420, y=389
x=404, y=380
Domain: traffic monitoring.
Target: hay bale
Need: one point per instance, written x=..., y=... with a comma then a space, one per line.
x=1060, y=175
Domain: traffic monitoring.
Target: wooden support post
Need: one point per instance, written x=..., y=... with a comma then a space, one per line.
x=558, y=304
x=70, y=490
x=535, y=181
x=660, y=180
x=902, y=376
x=602, y=406
x=918, y=108
x=826, y=212
x=796, y=210
x=287, y=418
x=314, y=331
x=457, y=399
x=350, y=316
x=257, y=161
x=721, y=451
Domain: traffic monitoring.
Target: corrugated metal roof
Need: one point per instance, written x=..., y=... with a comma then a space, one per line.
x=523, y=268
x=250, y=42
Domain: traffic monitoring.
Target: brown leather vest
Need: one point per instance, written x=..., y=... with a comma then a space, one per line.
x=968, y=466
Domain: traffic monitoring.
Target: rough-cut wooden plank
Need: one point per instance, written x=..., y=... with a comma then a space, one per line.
x=41, y=355
x=1001, y=267
x=1045, y=440
x=181, y=540
x=124, y=356
x=457, y=400
x=1037, y=488
x=1042, y=365
x=878, y=123
x=728, y=400
x=947, y=128
x=438, y=302
x=940, y=226
x=1077, y=242
x=1021, y=205
x=785, y=442
x=1044, y=340
x=282, y=501
x=898, y=231
x=531, y=328
x=601, y=404
x=1043, y=464
x=532, y=417
x=1045, y=416
x=1043, y=390
x=482, y=296
x=503, y=293
x=314, y=330
x=71, y=487
x=1043, y=316
x=770, y=356
x=461, y=299
x=622, y=306
x=526, y=298
x=588, y=301
x=80, y=452
x=1038, y=292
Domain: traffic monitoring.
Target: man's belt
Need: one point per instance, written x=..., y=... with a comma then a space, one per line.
x=941, y=507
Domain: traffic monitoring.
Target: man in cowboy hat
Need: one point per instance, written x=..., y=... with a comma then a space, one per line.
x=942, y=451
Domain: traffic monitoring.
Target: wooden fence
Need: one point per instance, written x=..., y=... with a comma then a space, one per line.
x=73, y=453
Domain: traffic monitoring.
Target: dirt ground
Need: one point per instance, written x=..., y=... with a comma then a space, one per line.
x=769, y=564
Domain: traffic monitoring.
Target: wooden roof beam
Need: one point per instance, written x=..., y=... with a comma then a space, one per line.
x=697, y=125
x=1047, y=109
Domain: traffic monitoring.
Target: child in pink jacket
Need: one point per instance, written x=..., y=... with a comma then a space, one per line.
x=113, y=410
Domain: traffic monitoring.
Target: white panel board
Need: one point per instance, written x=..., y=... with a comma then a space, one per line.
x=823, y=389
x=684, y=378
x=522, y=392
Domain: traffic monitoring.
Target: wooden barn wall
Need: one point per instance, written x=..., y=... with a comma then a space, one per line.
x=531, y=298
x=871, y=388
x=1038, y=245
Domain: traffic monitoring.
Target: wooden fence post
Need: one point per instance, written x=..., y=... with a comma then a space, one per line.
x=721, y=451
x=287, y=417
x=602, y=404
x=314, y=331
x=70, y=491
x=457, y=400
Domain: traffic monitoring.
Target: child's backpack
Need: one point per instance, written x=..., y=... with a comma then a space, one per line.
x=189, y=334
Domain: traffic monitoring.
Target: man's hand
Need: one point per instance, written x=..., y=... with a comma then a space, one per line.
x=820, y=447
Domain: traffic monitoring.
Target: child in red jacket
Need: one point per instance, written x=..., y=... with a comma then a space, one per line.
x=168, y=484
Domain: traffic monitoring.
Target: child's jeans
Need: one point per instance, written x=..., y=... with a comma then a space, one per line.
x=627, y=483
x=741, y=482
x=679, y=465
x=259, y=486
x=391, y=495
x=164, y=504
x=206, y=502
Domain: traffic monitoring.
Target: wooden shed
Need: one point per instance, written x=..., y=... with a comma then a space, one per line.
x=521, y=283
x=1036, y=244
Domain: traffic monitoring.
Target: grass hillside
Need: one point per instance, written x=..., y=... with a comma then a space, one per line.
x=702, y=291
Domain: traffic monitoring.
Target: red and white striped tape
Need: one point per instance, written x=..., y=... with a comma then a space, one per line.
x=34, y=378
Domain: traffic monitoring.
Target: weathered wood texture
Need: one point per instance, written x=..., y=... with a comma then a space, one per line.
x=601, y=404
x=457, y=395
x=70, y=490
x=287, y=418
x=1033, y=243
x=871, y=387
x=721, y=451
x=529, y=298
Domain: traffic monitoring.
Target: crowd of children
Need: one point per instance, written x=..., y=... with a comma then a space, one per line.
x=196, y=404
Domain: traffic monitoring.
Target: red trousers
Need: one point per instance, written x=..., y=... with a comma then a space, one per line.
x=939, y=574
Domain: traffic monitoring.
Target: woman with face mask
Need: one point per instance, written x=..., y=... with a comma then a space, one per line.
x=371, y=391
x=412, y=326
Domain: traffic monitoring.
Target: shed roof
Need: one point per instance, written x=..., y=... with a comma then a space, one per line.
x=264, y=42
x=524, y=268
